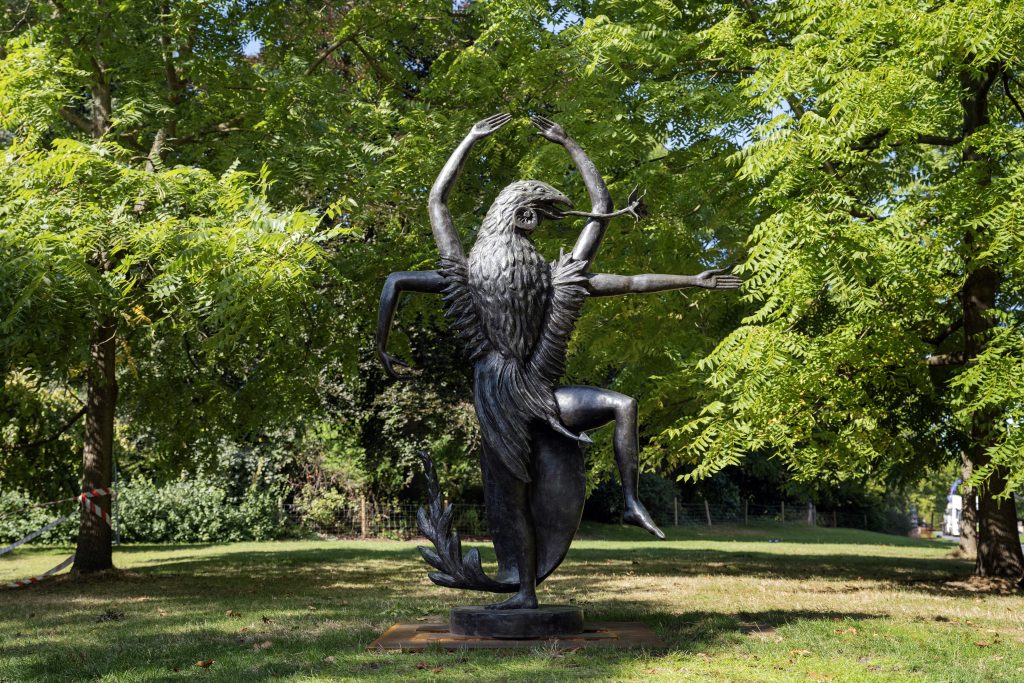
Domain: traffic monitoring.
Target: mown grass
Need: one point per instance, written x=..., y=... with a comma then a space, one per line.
x=819, y=604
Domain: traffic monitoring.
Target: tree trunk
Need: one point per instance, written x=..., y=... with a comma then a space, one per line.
x=968, y=512
x=998, y=546
x=95, y=539
x=94, y=551
x=999, y=550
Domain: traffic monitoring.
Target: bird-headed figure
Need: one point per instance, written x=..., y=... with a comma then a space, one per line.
x=515, y=313
x=522, y=205
x=510, y=280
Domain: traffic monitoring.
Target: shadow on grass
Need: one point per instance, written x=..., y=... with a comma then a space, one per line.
x=380, y=564
x=325, y=603
x=160, y=648
x=691, y=632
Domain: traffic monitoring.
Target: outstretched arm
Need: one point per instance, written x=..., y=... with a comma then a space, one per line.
x=440, y=218
x=423, y=281
x=604, y=284
x=601, y=200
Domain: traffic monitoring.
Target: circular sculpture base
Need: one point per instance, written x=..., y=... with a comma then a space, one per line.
x=547, y=621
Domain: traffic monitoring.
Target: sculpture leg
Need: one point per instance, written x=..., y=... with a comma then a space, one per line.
x=584, y=408
x=508, y=516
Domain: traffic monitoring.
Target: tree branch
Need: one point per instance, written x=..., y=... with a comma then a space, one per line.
x=175, y=84
x=374, y=65
x=863, y=214
x=222, y=128
x=618, y=176
x=958, y=358
x=874, y=140
x=42, y=442
x=1009, y=93
x=153, y=162
x=944, y=335
x=75, y=119
x=941, y=140
x=327, y=53
x=870, y=141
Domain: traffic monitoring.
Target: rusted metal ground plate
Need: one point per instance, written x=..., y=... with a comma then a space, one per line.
x=416, y=637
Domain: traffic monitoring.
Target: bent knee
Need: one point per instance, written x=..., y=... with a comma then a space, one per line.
x=625, y=406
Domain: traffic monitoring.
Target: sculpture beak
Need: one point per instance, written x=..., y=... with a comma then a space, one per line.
x=551, y=209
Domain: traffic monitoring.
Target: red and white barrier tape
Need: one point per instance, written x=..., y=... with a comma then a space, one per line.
x=34, y=535
x=85, y=499
x=96, y=493
x=40, y=577
x=14, y=512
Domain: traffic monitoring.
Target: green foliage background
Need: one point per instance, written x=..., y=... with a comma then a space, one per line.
x=813, y=144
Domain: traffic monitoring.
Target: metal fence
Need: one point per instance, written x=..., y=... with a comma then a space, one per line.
x=705, y=514
x=367, y=520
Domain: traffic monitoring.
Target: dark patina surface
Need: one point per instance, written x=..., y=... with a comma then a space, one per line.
x=543, y=621
x=515, y=313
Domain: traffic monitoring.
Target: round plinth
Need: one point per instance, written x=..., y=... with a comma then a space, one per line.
x=547, y=621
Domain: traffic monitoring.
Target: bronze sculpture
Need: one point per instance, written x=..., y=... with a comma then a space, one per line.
x=515, y=312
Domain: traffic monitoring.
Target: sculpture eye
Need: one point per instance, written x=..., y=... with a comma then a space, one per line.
x=526, y=219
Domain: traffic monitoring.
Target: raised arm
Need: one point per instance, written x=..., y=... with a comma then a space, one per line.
x=604, y=284
x=423, y=281
x=600, y=199
x=440, y=218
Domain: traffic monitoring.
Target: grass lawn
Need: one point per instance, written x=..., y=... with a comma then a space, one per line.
x=817, y=605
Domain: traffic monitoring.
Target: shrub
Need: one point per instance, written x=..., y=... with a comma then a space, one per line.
x=18, y=519
x=322, y=509
x=198, y=511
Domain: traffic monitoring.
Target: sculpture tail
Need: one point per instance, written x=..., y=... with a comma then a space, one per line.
x=557, y=497
x=454, y=570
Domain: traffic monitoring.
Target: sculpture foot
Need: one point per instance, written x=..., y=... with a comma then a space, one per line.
x=517, y=601
x=637, y=515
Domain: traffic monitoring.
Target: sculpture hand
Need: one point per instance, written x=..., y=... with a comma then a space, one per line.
x=718, y=279
x=485, y=127
x=549, y=130
x=389, y=362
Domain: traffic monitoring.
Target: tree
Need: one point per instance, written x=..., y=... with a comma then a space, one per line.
x=630, y=87
x=111, y=258
x=888, y=267
x=353, y=106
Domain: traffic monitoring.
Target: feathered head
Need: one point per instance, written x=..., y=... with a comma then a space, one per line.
x=521, y=207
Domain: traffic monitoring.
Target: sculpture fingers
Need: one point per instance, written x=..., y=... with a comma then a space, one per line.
x=549, y=130
x=496, y=119
x=499, y=120
x=728, y=282
x=491, y=123
x=543, y=125
x=542, y=122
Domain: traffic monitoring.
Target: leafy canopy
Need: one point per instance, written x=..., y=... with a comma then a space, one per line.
x=881, y=198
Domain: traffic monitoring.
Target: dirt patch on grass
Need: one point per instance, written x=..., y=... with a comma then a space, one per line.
x=981, y=584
